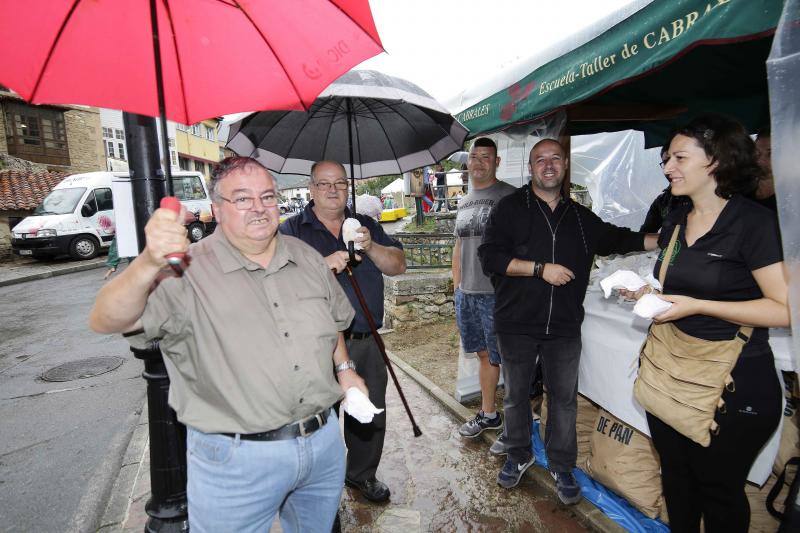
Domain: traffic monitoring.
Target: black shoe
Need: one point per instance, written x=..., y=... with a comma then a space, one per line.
x=371, y=489
x=337, y=524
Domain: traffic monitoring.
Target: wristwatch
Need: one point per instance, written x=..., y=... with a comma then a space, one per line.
x=347, y=365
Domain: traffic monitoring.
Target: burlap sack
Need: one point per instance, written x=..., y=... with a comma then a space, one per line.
x=625, y=461
x=584, y=425
x=790, y=434
x=760, y=519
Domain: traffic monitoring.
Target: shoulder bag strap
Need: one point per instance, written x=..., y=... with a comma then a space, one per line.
x=662, y=273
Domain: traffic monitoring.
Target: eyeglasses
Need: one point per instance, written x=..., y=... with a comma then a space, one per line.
x=245, y=203
x=340, y=185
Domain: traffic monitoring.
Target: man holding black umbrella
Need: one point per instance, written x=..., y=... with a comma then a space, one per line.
x=320, y=225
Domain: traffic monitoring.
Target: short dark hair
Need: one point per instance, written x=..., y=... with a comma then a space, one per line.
x=231, y=164
x=485, y=142
x=726, y=143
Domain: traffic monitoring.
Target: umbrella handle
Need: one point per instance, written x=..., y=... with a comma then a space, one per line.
x=175, y=260
x=351, y=251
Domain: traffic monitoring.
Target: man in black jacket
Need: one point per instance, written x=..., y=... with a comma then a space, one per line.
x=538, y=248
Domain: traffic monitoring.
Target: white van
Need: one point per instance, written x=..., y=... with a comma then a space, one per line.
x=77, y=217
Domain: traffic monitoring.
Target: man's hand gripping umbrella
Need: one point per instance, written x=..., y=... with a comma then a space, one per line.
x=348, y=232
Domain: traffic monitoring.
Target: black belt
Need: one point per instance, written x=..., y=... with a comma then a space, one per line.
x=303, y=428
x=355, y=335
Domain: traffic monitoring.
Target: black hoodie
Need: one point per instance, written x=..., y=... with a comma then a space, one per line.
x=519, y=227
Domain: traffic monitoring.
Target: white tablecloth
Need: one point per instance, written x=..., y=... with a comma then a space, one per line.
x=612, y=336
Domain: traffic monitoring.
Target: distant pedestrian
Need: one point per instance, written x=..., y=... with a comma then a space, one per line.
x=113, y=259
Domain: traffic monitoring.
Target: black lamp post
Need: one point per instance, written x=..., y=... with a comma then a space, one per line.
x=167, y=506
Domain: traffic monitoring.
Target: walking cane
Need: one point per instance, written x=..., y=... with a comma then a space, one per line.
x=378, y=340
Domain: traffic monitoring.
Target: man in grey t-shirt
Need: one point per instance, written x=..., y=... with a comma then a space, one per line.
x=474, y=294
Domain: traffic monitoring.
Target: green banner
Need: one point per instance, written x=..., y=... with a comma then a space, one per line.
x=647, y=39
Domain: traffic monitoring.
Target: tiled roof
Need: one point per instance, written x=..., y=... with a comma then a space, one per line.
x=26, y=189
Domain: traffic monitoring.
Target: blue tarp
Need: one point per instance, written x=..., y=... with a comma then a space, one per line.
x=613, y=506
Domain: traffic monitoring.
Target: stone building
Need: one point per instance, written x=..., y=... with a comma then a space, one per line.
x=39, y=145
x=62, y=138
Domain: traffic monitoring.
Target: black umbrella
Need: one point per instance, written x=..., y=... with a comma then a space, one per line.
x=372, y=123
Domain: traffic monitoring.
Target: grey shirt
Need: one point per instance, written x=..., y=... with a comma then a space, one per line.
x=249, y=349
x=473, y=212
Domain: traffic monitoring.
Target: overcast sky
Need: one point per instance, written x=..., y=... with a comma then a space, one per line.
x=446, y=46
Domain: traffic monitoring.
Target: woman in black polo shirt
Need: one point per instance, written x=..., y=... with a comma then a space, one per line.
x=726, y=271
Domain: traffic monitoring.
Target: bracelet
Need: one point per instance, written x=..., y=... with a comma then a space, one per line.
x=347, y=365
x=538, y=269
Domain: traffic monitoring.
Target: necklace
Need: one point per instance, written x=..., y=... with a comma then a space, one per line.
x=553, y=202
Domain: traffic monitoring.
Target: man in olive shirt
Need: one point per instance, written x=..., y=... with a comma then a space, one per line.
x=251, y=335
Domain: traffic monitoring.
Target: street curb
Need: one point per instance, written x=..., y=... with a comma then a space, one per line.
x=60, y=271
x=119, y=502
x=593, y=516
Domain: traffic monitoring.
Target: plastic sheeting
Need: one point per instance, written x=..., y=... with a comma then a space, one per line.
x=783, y=73
x=621, y=176
x=613, y=506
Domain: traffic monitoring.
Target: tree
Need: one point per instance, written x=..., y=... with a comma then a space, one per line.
x=374, y=185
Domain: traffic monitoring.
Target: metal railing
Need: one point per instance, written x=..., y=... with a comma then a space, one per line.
x=427, y=250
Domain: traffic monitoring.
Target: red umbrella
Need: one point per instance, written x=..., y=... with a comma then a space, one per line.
x=216, y=56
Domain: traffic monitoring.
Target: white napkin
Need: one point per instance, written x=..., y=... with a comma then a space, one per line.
x=650, y=305
x=350, y=232
x=357, y=405
x=624, y=279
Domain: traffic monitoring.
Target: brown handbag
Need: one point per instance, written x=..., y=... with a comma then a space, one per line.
x=682, y=378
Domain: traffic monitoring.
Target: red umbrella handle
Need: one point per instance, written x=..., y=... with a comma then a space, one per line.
x=175, y=260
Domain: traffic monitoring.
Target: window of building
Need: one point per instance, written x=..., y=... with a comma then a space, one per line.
x=209, y=133
x=221, y=153
x=120, y=134
x=108, y=133
x=181, y=127
x=184, y=163
x=196, y=130
x=171, y=142
x=121, y=151
x=110, y=149
x=36, y=134
x=173, y=157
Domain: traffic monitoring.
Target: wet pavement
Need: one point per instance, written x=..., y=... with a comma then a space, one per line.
x=16, y=269
x=443, y=482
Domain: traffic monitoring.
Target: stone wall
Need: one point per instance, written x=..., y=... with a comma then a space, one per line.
x=417, y=298
x=85, y=140
x=5, y=231
x=445, y=222
x=3, y=140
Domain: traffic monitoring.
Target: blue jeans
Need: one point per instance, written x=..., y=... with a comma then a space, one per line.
x=560, y=358
x=239, y=485
x=475, y=320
